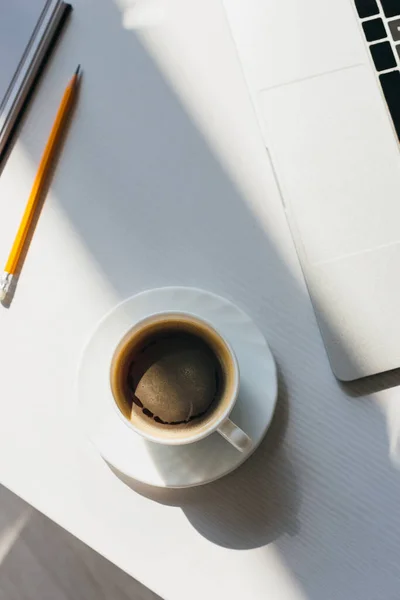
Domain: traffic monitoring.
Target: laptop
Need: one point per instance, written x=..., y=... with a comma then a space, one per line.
x=324, y=77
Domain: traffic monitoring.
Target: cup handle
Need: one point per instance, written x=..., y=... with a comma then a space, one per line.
x=234, y=435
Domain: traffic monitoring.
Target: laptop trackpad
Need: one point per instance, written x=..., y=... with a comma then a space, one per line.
x=337, y=160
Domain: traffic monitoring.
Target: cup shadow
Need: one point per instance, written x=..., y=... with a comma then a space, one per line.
x=249, y=508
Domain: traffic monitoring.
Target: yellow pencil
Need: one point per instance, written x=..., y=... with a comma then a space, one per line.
x=40, y=179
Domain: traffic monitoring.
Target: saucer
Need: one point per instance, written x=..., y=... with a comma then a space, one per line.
x=192, y=464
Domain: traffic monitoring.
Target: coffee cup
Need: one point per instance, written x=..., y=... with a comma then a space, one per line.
x=175, y=380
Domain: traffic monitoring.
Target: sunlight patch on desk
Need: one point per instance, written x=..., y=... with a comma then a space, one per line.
x=232, y=136
x=11, y=533
x=137, y=14
x=15, y=182
x=389, y=404
x=277, y=577
x=56, y=246
x=73, y=254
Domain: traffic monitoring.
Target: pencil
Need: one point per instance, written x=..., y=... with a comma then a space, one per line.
x=34, y=197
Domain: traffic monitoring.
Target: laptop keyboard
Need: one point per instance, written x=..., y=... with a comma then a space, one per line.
x=381, y=26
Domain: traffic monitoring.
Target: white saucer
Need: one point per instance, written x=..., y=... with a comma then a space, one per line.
x=192, y=464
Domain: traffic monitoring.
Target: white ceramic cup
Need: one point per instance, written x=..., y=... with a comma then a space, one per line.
x=217, y=419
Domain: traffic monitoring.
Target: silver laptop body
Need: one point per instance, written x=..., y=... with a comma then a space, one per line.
x=324, y=78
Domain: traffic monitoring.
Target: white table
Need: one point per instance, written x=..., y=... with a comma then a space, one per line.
x=164, y=180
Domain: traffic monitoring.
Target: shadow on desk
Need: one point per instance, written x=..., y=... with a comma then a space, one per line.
x=249, y=508
x=155, y=201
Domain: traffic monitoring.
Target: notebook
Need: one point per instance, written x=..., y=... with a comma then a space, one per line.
x=28, y=29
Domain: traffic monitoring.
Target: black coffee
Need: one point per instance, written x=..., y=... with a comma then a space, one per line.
x=171, y=376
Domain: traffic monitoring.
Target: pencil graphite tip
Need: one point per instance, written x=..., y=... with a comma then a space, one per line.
x=78, y=70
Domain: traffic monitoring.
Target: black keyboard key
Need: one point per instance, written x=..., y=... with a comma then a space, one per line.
x=374, y=30
x=366, y=8
x=390, y=83
x=395, y=29
x=398, y=50
x=391, y=8
x=383, y=56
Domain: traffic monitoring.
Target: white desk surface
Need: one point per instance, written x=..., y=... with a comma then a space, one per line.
x=164, y=180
